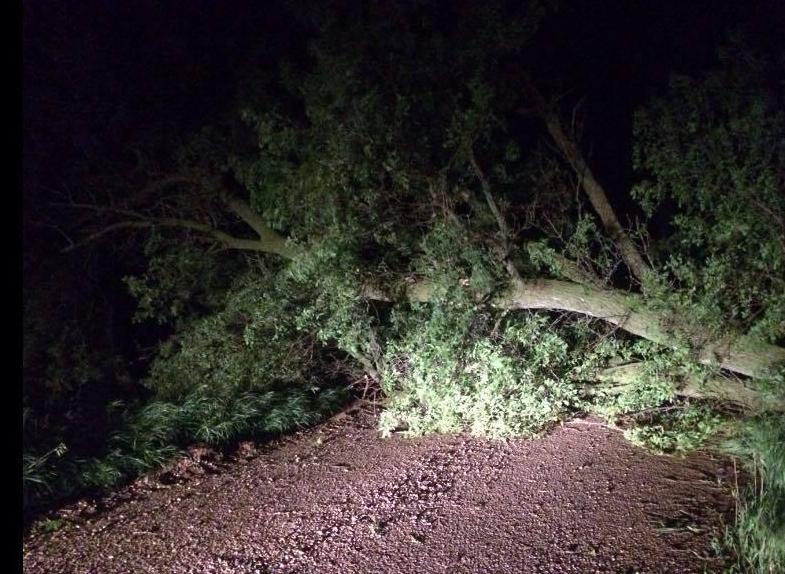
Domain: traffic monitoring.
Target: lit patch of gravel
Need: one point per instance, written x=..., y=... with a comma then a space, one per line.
x=338, y=498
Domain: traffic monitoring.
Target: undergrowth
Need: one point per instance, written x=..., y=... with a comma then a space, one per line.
x=757, y=538
x=243, y=371
x=157, y=431
x=680, y=428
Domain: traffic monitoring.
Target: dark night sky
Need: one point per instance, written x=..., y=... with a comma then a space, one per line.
x=100, y=74
x=619, y=54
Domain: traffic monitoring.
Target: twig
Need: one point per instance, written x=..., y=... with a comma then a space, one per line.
x=503, y=229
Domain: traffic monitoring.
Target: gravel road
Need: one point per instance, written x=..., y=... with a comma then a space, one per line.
x=339, y=499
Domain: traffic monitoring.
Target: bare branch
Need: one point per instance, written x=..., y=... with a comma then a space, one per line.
x=500, y=221
x=217, y=235
x=267, y=240
x=591, y=186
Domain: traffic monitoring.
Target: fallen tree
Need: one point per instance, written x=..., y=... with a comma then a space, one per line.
x=382, y=217
x=340, y=226
x=625, y=310
x=725, y=389
x=738, y=355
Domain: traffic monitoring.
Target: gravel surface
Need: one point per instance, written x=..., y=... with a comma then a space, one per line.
x=338, y=499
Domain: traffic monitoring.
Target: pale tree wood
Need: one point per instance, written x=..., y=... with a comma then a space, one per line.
x=267, y=240
x=594, y=190
x=625, y=310
x=737, y=354
x=273, y=242
x=726, y=389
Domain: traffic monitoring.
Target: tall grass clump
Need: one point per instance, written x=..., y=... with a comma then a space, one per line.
x=157, y=431
x=757, y=538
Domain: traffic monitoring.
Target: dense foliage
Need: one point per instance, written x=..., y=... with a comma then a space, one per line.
x=715, y=157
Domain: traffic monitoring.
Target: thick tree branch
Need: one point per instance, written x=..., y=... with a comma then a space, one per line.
x=267, y=241
x=726, y=389
x=736, y=354
x=224, y=239
x=272, y=241
x=739, y=355
x=591, y=186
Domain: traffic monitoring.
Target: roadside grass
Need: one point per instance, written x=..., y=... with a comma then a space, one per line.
x=757, y=538
x=159, y=430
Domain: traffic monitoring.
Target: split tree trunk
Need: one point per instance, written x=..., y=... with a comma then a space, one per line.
x=726, y=389
x=739, y=355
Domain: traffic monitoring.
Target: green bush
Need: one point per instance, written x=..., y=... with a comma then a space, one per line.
x=490, y=388
x=676, y=429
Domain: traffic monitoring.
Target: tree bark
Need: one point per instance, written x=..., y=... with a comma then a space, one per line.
x=595, y=192
x=740, y=354
x=726, y=389
x=269, y=239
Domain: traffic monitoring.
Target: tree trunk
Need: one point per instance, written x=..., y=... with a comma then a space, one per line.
x=726, y=389
x=595, y=192
x=740, y=355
